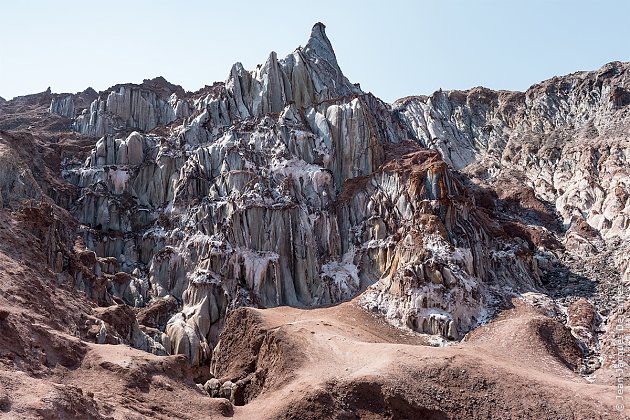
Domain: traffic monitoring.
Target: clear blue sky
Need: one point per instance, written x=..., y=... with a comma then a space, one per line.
x=393, y=48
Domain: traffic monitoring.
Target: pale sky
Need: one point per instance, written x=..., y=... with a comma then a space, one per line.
x=393, y=48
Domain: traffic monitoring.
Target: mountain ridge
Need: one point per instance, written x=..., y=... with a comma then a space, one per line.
x=162, y=212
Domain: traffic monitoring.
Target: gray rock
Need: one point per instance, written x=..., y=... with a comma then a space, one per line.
x=212, y=387
x=288, y=185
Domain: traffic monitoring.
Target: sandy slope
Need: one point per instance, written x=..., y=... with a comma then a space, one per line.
x=347, y=364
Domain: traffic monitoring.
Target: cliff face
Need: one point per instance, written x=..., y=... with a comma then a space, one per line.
x=288, y=185
x=566, y=139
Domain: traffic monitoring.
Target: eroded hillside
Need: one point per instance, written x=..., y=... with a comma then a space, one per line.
x=140, y=219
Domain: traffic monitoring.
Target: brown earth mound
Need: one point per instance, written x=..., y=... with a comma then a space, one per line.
x=342, y=362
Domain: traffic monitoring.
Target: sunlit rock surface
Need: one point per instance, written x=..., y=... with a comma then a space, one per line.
x=566, y=139
x=286, y=185
x=289, y=185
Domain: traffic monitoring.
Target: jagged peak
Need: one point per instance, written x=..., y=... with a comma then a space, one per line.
x=237, y=68
x=319, y=44
x=273, y=57
x=320, y=79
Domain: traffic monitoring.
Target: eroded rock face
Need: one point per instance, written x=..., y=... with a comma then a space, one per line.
x=565, y=141
x=16, y=182
x=305, y=78
x=443, y=261
x=566, y=138
x=117, y=324
x=69, y=105
x=246, y=219
x=144, y=107
x=286, y=185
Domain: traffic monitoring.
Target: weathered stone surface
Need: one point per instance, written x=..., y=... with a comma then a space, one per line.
x=117, y=324
x=565, y=138
x=584, y=321
x=63, y=106
x=144, y=107
x=286, y=185
x=289, y=186
x=69, y=105
x=16, y=181
x=566, y=141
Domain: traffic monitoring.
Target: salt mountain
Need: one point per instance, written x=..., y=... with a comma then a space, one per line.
x=289, y=185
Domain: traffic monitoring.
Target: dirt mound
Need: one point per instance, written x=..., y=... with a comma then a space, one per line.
x=343, y=362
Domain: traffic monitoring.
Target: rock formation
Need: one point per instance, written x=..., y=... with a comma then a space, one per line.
x=565, y=139
x=287, y=185
x=68, y=105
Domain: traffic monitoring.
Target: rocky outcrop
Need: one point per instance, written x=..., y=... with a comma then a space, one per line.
x=287, y=185
x=565, y=140
x=307, y=77
x=259, y=205
x=117, y=324
x=16, y=181
x=144, y=107
x=440, y=257
x=69, y=105
x=63, y=106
